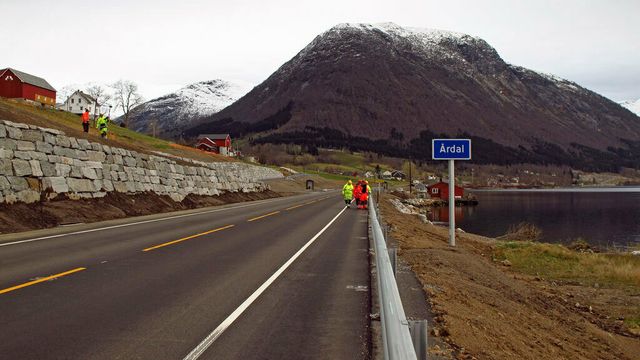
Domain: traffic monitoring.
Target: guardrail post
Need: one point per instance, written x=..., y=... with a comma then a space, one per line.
x=419, y=333
x=393, y=256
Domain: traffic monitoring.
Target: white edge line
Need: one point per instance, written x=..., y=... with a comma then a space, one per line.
x=204, y=345
x=136, y=223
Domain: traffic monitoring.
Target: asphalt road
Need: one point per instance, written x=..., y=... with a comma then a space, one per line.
x=282, y=278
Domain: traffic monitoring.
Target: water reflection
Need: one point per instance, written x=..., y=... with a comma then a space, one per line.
x=601, y=216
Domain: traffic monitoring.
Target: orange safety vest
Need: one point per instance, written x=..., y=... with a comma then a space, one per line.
x=85, y=117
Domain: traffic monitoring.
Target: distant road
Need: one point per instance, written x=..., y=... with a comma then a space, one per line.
x=283, y=278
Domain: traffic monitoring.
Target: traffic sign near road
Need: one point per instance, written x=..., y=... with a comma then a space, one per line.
x=451, y=149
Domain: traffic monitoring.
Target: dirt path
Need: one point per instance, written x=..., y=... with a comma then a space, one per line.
x=484, y=310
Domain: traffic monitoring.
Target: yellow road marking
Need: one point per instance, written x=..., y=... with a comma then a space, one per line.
x=187, y=238
x=264, y=216
x=295, y=207
x=41, y=280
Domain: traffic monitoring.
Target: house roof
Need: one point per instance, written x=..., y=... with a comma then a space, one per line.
x=214, y=136
x=87, y=97
x=30, y=79
x=207, y=145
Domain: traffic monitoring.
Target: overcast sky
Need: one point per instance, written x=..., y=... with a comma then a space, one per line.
x=163, y=45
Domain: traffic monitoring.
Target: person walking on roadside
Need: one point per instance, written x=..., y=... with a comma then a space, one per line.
x=364, y=194
x=347, y=192
x=357, y=192
x=102, y=126
x=85, y=120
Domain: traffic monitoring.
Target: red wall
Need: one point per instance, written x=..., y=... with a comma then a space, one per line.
x=17, y=89
x=443, y=191
x=31, y=92
x=10, y=88
x=224, y=143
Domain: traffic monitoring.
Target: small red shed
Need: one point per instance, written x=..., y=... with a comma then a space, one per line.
x=19, y=85
x=441, y=190
x=218, y=143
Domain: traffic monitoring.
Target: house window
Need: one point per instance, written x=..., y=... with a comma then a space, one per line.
x=72, y=101
x=434, y=190
x=79, y=101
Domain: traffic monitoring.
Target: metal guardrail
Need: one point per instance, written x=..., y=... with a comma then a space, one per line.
x=396, y=338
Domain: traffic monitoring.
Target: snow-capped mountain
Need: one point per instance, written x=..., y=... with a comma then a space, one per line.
x=634, y=106
x=389, y=89
x=172, y=113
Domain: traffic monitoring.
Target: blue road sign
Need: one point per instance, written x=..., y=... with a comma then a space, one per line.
x=451, y=149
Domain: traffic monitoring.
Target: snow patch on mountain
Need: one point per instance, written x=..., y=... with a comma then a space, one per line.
x=632, y=105
x=200, y=99
x=425, y=35
x=174, y=112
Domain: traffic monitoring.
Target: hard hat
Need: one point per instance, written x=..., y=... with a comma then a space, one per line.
x=349, y=182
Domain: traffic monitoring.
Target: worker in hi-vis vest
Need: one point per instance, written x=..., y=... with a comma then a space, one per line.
x=347, y=192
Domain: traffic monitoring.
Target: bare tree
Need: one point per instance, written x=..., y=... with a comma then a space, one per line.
x=66, y=91
x=126, y=97
x=99, y=92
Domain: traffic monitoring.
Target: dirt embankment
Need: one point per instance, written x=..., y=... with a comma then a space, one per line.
x=485, y=310
x=23, y=217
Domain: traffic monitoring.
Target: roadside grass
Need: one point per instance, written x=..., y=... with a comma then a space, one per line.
x=357, y=161
x=330, y=176
x=339, y=177
x=633, y=322
x=557, y=262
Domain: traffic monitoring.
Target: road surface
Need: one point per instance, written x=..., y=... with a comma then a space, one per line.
x=283, y=278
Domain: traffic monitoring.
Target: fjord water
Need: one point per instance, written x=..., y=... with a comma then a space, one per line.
x=601, y=216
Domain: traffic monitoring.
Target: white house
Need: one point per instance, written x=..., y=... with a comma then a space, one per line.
x=78, y=101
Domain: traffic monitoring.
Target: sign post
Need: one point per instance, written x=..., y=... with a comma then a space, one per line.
x=451, y=149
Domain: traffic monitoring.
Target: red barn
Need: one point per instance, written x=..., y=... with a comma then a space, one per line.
x=217, y=143
x=18, y=85
x=441, y=190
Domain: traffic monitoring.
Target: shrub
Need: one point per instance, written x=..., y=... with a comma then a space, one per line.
x=522, y=232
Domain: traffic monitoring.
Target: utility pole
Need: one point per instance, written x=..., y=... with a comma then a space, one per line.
x=410, y=176
x=153, y=127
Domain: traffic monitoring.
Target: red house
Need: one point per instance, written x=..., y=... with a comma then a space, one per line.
x=18, y=85
x=441, y=190
x=217, y=143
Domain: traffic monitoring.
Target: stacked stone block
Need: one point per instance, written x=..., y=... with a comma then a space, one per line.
x=38, y=162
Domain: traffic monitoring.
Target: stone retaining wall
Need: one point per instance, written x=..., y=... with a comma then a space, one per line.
x=36, y=162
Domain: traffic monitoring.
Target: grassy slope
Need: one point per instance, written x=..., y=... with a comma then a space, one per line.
x=344, y=162
x=556, y=262
x=120, y=137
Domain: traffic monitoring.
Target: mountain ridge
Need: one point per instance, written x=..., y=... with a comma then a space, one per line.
x=395, y=86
